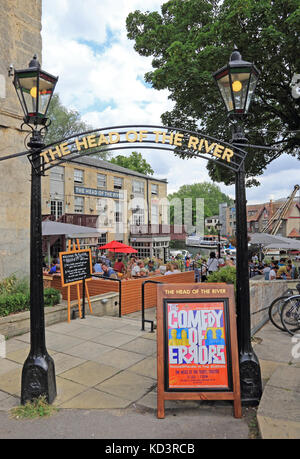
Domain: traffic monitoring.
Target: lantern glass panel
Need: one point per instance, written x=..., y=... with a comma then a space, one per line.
x=224, y=87
x=240, y=80
x=24, y=85
x=252, y=86
x=46, y=87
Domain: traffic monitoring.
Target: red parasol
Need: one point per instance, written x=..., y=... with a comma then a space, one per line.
x=115, y=246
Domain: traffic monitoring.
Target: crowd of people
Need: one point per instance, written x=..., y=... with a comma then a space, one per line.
x=275, y=269
x=118, y=267
x=135, y=267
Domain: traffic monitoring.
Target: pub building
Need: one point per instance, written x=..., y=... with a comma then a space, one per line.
x=121, y=204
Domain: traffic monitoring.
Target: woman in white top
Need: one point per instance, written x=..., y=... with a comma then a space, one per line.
x=213, y=263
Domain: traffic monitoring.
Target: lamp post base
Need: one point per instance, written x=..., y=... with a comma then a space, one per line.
x=250, y=377
x=38, y=378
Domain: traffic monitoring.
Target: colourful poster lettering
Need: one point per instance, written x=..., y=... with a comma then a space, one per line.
x=197, y=345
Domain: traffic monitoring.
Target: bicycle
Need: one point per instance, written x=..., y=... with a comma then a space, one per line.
x=290, y=314
x=275, y=310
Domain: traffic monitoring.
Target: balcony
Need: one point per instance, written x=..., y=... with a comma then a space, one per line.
x=75, y=219
x=175, y=232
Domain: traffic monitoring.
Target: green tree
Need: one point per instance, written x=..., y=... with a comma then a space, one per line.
x=191, y=39
x=211, y=194
x=134, y=162
x=64, y=122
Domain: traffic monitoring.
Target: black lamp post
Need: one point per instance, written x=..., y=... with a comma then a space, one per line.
x=35, y=89
x=237, y=82
x=218, y=228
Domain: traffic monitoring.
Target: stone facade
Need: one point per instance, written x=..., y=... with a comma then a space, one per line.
x=20, y=25
x=262, y=293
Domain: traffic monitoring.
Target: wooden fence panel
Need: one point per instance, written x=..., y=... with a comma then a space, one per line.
x=131, y=290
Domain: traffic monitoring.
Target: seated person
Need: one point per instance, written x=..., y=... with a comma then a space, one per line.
x=282, y=272
x=176, y=269
x=53, y=268
x=135, y=269
x=97, y=268
x=169, y=269
x=151, y=266
x=108, y=272
x=119, y=266
x=273, y=271
x=139, y=270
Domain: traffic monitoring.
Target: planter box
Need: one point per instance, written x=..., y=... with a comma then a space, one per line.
x=131, y=290
x=18, y=324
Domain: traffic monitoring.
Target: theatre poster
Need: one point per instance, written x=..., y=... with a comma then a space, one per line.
x=197, y=343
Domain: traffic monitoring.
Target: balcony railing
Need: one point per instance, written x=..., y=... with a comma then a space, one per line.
x=75, y=219
x=153, y=229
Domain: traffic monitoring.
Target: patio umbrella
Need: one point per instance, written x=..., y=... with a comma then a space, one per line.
x=117, y=247
x=264, y=239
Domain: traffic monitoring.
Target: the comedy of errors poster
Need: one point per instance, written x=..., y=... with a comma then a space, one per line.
x=197, y=354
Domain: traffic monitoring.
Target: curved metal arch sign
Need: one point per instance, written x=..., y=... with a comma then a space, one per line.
x=183, y=142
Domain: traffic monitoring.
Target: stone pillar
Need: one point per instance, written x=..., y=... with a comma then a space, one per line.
x=20, y=25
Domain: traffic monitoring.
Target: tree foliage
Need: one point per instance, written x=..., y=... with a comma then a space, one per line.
x=64, y=122
x=134, y=162
x=211, y=194
x=191, y=39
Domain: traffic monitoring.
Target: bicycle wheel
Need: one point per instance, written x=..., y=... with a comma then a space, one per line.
x=275, y=312
x=290, y=314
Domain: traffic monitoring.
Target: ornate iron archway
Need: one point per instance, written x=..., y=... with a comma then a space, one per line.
x=188, y=144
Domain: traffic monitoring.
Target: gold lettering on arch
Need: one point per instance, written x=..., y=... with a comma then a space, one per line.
x=202, y=145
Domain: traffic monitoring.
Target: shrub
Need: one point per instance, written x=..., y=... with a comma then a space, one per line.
x=51, y=296
x=226, y=274
x=16, y=302
x=11, y=303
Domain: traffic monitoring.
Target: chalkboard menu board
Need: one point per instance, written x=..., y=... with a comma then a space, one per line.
x=76, y=266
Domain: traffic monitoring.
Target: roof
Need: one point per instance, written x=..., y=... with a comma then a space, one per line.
x=101, y=164
x=50, y=228
x=294, y=233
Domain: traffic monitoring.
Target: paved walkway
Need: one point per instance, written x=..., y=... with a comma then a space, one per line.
x=106, y=387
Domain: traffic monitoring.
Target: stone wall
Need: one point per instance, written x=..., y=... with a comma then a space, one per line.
x=20, y=25
x=262, y=293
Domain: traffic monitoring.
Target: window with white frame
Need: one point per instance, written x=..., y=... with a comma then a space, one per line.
x=101, y=205
x=79, y=205
x=138, y=187
x=154, y=189
x=101, y=180
x=138, y=216
x=154, y=214
x=118, y=212
x=118, y=183
x=78, y=176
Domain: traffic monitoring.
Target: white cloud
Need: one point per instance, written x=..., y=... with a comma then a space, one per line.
x=101, y=76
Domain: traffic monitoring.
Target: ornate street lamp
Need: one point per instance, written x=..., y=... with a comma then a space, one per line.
x=237, y=82
x=35, y=89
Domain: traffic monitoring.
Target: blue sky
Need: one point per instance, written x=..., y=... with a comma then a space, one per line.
x=102, y=77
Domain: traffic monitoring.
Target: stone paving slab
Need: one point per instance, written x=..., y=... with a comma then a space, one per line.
x=127, y=385
x=109, y=363
x=90, y=373
x=94, y=399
